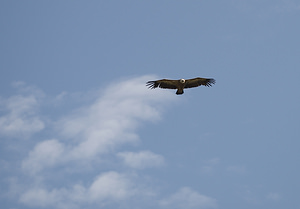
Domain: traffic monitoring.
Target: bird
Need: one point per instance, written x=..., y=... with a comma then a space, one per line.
x=180, y=84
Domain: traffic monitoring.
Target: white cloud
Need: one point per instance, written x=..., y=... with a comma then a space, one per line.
x=99, y=128
x=82, y=139
x=38, y=197
x=60, y=198
x=112, y=119
x=85, y=137
x=108, y=188
x=142, y=159
x=45, y=154
x=111, y=185
x=187, y=198
x=21, y=112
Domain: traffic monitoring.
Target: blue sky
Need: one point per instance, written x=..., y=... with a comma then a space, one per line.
x=79, y=128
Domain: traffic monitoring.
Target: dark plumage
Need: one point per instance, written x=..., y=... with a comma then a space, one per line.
x=180, y=84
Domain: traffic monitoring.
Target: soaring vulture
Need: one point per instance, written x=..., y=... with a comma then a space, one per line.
x=180, y=84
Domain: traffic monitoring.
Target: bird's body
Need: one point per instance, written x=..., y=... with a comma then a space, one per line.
x=180, y=84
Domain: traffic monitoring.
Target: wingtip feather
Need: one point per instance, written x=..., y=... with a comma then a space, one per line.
x=210, y=82
x=150, y=84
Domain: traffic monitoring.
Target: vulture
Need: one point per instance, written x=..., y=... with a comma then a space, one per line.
x=180, y=84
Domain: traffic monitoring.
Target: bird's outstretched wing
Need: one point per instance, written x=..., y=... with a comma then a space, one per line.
x=164, y=83
x=194, y=82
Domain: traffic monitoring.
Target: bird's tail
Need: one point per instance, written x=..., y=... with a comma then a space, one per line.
x=179, y=91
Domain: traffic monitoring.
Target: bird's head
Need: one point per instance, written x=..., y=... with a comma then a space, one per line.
x=182, y=80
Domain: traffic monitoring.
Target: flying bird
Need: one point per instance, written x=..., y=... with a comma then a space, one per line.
x=180, y=84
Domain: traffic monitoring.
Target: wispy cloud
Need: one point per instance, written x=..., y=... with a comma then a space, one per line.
x=101, y=127
x=186, y=198
x=108, y=188
x=45, y=154
x=20, y=118
x=82, y=137
x=142, y=159
x=112, y=119
x=273, y=196
x=111, y=185
x=82, y=161
x=209, y=165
